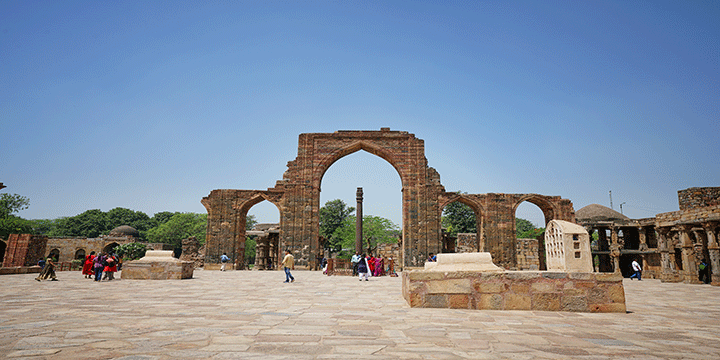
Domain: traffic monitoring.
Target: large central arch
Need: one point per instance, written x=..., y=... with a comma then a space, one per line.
x=297, y=197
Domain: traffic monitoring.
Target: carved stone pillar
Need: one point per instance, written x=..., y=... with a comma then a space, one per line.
x=688, y=255
x=714, y=251
x=664, y=248
x=643, y=238
x=615, y=247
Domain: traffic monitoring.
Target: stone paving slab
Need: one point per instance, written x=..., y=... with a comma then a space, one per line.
x=254, y=315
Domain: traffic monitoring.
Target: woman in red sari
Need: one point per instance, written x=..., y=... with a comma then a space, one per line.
x=88, y=266
x=111, y=267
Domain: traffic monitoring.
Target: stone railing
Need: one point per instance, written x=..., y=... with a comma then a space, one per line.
x=339, y=267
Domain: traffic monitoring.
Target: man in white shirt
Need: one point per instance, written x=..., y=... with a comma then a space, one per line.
x=355, y=260
x=637, y=269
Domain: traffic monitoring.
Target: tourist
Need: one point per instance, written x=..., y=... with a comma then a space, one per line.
x=110, y=267
x=223, y=260
x=288, y=263
x=363, y=269
x=637, y=271
x=354, y=261
x=98, y=266
x=48, y=271
x=87, y=270
x=432, y=258
x=704, y=272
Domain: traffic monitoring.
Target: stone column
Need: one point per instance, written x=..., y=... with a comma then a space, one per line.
x=642, y=236
x=714, y=251
x=688, y=255
x=664, y=248
x=359, y=221
x=615, y=247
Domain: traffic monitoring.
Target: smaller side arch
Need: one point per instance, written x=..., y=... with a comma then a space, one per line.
x=448, y=198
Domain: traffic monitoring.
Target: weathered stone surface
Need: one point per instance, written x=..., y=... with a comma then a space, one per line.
x=518, y=301
x=191, y=252
x=157, y=265
x=455, y=286
x=531, y=293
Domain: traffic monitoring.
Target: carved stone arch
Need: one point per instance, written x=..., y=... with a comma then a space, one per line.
x=447, y=198
x=548, y=208
x=327, y=161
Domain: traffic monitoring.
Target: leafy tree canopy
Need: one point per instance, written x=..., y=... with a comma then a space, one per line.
x=376, y=230
x=131, y=251
x=524, y=229
x=179, y=227
x=459, y=218
x=9, y=223
x=331, y=217
x=12, y=203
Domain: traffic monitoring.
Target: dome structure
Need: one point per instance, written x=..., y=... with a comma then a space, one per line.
x=594, y=213
x=125, y=230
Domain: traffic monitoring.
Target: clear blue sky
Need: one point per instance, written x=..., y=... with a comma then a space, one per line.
x=150, y=105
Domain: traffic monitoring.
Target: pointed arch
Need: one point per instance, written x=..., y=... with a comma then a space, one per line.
x=367, y=146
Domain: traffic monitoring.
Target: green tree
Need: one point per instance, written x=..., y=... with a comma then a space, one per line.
x=179, y=227
x=42, y=226
x=376, y=230
x=459, y=218
x=331, y=217
x=162, y=217
x=12, y=203
x=131, y=251
x=122, y=216
x=524, y=229
x=90, y=224
x=9, y=223
x=250, y=222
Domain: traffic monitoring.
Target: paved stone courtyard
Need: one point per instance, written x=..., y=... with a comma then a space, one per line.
x=253, y=315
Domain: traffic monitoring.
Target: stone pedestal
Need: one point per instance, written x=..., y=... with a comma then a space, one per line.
x=441, y=286
x=157, y=265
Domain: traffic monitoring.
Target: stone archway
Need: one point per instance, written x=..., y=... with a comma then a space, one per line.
x=447, y=198
x=297, y=196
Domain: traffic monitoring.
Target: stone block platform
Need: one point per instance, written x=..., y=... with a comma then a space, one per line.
x=515, y=290
x=158, y=265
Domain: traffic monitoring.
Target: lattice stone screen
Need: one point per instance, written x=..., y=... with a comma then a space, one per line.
x=567, y=247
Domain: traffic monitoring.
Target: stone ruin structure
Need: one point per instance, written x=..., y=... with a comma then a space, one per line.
x=157, y=265
x=193, y=252
x=669, y=246
x=26, y=250
x=297, y=196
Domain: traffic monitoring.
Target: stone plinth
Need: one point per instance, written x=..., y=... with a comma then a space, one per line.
x=460, y=281
x=463, y=262
x=157, y=265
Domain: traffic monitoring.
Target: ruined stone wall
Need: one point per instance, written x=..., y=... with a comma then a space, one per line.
x=68, y=246
x=24, y=250
x=527, y=254
x=697, y=197
x=387, y=251
x=497, y=225
x=466, y=243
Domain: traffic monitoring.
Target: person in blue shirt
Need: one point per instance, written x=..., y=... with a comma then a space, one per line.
x=223, y=260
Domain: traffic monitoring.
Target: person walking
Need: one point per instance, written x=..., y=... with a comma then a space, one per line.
x=288, y=263
x=363, y=268
x=48, y=271
x=87, y=270
x=637, y=269
x=704, y=272
x=354, y=261
x=98, y=266
x=223, y=260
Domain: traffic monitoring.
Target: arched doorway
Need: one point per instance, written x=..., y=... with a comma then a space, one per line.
x=261, y=247
x=529, y=230
x=381, y=205
x=80, y=254
x=468, y=234
x=3, y=246
x=54, y=254
x=110, y=248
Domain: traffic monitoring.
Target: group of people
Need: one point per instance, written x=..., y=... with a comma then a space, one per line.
x=97, y=265
x=367, y=266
